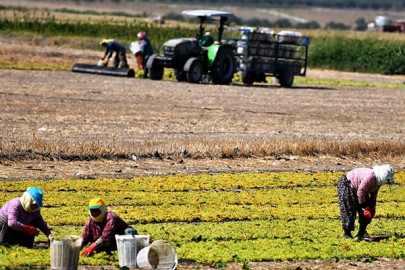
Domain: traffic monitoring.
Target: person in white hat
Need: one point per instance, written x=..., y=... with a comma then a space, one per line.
x=146, y=51
x=357, y=194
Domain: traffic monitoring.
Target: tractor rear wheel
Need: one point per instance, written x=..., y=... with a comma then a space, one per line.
x=224, y=66
x=155, y=68
x=195, y=72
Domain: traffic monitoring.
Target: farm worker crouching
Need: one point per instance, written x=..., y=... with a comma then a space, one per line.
x=357, y=192
x=146, y=51
x=101, y=228
x=120, y=53
x=21, y=217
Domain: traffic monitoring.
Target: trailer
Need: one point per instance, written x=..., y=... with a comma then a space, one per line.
x=262, y=54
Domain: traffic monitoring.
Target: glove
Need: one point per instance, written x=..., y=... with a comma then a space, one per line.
x=30, y=230
x=87, y=251
x=367, y=213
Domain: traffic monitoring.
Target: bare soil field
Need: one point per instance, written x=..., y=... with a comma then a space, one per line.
x=67, y=109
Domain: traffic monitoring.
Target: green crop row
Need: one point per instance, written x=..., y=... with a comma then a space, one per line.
x=191, y=182
x=219, y=218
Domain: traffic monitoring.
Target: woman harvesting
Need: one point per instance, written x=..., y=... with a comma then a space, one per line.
x=357, y=192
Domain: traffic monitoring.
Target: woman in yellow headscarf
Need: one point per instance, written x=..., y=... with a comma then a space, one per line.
x=101, y=228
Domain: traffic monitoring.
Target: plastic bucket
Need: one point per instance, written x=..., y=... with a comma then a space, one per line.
x=159, y=255
x=128, y=247
x=65, y=252
x=135, y=47
x=241, y=47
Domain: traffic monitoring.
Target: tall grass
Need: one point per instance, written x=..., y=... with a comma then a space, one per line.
x=93, y=149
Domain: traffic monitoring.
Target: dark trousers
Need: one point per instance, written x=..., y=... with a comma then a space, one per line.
x=120, y=57
x=145, y=69
x=349, y=206
x=13, y=237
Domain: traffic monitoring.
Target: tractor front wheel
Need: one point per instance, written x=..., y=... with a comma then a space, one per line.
x=195, y=72
x=155, y=68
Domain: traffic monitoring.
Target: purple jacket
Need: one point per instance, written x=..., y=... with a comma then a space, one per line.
x=17, y=216
x=363, y=181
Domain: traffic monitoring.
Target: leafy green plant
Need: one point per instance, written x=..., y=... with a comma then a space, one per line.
x=217, y=219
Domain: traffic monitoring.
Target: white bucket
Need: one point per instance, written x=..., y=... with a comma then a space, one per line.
x=241, y=47
x=65, y=252
x=101, y=63
x=159, y=255
x=135, y=47
x=128, y=247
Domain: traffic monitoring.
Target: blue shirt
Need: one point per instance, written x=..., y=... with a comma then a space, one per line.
x=113, y=46
x=146, y=48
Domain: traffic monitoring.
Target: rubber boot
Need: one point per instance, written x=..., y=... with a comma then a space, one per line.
x=360, y=234
x=347, y=234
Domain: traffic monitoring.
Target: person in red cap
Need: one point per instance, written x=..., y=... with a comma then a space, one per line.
x=20, y=219
x=146, y=51
x=101, y=228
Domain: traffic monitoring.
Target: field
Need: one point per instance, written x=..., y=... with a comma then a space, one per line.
x=71, y=115
x=64, y=112
x=59, y=125
x=300, y=14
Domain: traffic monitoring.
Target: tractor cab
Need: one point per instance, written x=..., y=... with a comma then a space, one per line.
x=205, y=39
x=193, y=58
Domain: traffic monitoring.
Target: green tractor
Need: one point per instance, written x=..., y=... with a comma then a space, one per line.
x=193, y=59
